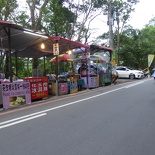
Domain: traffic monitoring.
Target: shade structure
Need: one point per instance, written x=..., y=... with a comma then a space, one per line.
x=94, y=58
x=98, y=58
x=62, y=58
x=21, y=42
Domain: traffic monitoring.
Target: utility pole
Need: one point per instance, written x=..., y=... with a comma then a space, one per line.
x=110, y=24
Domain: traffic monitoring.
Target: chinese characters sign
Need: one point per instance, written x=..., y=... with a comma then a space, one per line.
x=15, y=94
x=38, y=86
x=56, y=49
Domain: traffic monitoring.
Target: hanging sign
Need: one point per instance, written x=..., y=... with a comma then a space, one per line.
x=86, y=55
x=56, y=49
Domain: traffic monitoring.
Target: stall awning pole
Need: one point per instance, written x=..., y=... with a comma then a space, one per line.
x=10, y=58
x=87, y=70
x=56, y=53
x=57, y=68
x=16, y=63
x=44, y=66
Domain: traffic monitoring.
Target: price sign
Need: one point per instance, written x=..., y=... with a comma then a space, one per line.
x=56, y=49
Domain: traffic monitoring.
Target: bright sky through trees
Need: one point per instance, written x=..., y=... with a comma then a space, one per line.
x=144, y=11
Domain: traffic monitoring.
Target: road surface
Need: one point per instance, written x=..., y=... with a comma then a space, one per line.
x=115, y=120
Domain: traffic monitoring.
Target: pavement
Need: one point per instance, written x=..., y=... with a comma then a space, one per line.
x=51, y=97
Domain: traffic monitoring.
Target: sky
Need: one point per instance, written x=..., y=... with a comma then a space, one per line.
x=144, y=11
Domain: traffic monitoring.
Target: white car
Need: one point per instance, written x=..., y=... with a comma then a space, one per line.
x=127, y=72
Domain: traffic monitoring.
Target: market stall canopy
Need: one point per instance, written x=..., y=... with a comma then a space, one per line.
x=62, y=58
x=96, y=58
x=23, y=42
x=92, y=49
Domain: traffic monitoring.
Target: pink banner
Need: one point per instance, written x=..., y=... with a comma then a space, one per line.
x=15, y=94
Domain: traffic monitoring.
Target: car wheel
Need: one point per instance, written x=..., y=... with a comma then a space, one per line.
x=131, y=76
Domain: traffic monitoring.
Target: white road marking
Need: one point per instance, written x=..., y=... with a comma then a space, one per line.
x=134, y=84
x=42, y=113
x=20, y=121
x=19, y=118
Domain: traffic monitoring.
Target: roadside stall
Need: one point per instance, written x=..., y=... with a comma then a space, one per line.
x=96, y=58
x=19, y=42
x=88, y=72
x=67, y=80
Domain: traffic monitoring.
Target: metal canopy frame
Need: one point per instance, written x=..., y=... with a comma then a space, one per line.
x=22, y=42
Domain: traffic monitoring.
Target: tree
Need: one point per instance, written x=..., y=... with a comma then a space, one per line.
x=135, y=46
x=58, y=19
x=123, y=10
x=7, y=9
x=85, y=12
x=151, y=22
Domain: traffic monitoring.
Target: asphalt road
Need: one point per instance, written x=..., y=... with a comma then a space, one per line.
x=114, y=120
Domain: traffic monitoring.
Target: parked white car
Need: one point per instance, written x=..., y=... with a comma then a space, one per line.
x=127, y=72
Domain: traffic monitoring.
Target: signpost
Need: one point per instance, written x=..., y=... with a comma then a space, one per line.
x=56, y=52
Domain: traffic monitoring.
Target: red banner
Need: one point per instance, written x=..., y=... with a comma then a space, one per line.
x=38, y=87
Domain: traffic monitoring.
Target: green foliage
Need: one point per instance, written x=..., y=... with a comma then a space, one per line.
x=135, y=47
x=7, y=9
x=58, y=18
x=61, y=17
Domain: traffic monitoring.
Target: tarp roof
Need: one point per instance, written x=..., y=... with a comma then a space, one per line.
x=27, y=43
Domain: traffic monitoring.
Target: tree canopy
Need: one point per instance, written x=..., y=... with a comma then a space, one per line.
x=72, y=19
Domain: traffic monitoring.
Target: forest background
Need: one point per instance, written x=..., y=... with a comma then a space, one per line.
x=72, y=19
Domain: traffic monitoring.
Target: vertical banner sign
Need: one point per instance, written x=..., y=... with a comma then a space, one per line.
x=150, y=59
x=56, y=49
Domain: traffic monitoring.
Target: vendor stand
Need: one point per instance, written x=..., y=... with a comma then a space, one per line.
x=89, y=76
x=97, y=57
x=24, y=43
x=88, y=72
x=67, y=81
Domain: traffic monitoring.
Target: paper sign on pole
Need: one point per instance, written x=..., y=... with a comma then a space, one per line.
x=56, y=49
